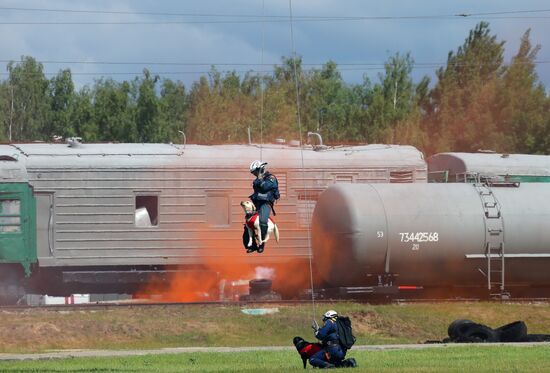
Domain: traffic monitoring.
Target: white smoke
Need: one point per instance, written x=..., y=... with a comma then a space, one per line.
x=265, y=272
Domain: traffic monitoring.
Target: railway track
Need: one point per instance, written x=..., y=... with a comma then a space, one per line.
x=255, y=304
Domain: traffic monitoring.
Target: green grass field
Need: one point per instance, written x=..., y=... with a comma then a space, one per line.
x=451, y=359
x=36, y=330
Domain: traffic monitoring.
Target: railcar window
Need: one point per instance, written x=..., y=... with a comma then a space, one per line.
x=10, y=216
x=147, y=211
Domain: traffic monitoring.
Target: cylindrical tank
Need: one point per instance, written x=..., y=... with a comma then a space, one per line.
x=432, y=234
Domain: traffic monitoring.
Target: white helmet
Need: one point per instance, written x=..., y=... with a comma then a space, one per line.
x=256, y=165
x=330, y=314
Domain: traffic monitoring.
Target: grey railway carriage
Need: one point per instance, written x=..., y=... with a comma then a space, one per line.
x=476, y=167
x=104, y=217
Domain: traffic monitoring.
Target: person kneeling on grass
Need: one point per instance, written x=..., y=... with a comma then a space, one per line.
x=328, y=336
x=307, y=350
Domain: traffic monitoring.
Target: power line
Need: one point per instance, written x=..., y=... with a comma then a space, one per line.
x=156, y=23
x=251, y=21
x=263, y=16
x=114, y=73
x=164, y=73
x=164, y=63
x=504, y=12
x=239, y=64
x=75, y=62
x=88, y=11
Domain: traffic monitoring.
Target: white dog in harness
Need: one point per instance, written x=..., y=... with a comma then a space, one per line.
x=253, y=225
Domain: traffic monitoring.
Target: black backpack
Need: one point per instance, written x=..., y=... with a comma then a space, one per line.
x=276, y=194
x=345, y=333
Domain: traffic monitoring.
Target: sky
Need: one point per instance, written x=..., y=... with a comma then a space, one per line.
x=181, y=40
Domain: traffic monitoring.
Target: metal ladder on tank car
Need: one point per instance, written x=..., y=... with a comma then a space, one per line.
x=494, y=242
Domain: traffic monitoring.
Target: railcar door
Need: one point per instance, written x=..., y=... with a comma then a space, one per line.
x=17, y=225
x=44, y=226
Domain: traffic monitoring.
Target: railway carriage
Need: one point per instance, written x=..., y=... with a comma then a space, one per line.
x=438, y=240
x=105, y=217
x=476, y=167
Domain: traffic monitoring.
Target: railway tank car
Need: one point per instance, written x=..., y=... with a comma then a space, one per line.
x=105, y=217
x=475, y=167
x=456, y=237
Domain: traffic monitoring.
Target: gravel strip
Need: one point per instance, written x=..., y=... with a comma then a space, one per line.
x=64, y=354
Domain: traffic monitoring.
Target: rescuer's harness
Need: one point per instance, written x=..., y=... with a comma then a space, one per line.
x=251, y=219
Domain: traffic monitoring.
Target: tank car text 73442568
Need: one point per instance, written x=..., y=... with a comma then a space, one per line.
x=103, y=217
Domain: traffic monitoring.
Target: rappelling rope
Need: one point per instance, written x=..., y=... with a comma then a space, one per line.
x=308, y=216
x=260, y=82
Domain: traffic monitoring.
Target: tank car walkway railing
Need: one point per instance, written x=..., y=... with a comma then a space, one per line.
x=494, y=242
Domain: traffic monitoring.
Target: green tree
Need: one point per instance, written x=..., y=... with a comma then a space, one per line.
x=173, y=107
x=333, y=108
x=390, y=101
x=148, y=109
x=5, y=110
x=279, y=113
x=29, y=92
x=221, y=108
x=461, y=110
x=523, y=116
x=289, y=84
x=61, y=97
x=82, y=116
x=323, y=92
x=113, y=111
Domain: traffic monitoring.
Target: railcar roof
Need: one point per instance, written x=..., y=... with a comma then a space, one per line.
x=491, y=163
x=56, y=155
x=11, y=169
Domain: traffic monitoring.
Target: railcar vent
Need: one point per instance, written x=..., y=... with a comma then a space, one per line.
x=401, y=176
x=309, y=194
x=343, y=178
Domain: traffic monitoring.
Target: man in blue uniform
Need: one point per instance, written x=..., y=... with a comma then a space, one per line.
x=332, y=353
x=266, y=191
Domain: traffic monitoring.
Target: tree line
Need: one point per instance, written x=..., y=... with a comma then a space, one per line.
x=477, y=102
